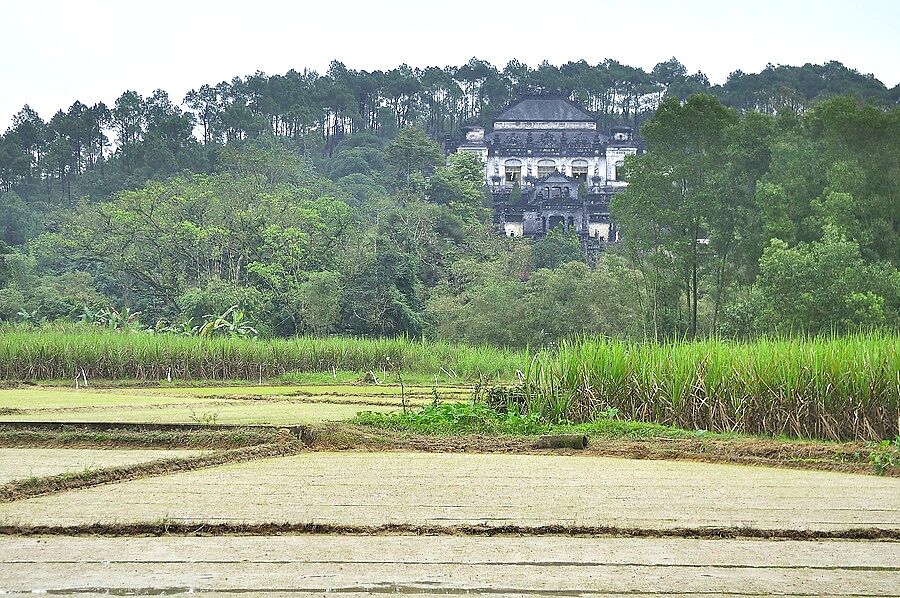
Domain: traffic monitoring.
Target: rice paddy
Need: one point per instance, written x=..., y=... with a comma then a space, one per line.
x=279, y=405
x=22, y=463
x=429, y=458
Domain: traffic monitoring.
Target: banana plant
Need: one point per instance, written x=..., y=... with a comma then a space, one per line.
x=232, y=322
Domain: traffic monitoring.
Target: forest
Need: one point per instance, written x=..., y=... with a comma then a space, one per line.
x=329, y=204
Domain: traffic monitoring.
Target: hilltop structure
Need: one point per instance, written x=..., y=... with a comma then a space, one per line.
x=548, y=165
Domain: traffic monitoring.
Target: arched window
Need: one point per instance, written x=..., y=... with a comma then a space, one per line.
x=580, y=170
x=513, y=170
x=545, y=168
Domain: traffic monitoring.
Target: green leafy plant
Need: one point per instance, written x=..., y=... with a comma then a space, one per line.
x=885, y=456
x=206, y=418
x=231, y=322
x=110, y=317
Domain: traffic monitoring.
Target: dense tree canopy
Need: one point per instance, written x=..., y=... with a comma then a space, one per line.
x=327, y=204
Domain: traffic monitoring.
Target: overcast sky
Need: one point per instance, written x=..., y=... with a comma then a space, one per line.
x=56, y=52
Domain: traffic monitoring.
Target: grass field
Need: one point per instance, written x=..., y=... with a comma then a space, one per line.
x=50, y=354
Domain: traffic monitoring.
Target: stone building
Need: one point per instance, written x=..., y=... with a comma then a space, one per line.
x=547, y=164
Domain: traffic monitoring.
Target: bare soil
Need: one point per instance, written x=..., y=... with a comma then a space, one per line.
x=166, y=464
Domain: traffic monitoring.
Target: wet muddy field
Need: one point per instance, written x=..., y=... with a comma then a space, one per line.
x=296, y=507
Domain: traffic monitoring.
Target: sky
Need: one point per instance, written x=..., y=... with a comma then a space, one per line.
x=56, y=52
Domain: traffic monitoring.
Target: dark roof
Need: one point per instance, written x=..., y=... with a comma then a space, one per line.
x=556, y=177
x=545, y=108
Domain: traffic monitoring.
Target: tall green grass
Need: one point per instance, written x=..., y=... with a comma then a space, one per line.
x=831, y=388
x=49, y=354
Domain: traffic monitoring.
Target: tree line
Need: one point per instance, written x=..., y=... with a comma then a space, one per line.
x=740, y=220
x=153, y=135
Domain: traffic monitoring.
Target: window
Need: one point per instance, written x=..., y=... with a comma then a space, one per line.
x=617, y=171
x=545, y=168
x=580, y=170
x=513, y=170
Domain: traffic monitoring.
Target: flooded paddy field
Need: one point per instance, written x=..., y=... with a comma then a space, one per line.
x=435, y=489
x=22, y=463
x=271, y=511
x=277, y=405
x=351, y=565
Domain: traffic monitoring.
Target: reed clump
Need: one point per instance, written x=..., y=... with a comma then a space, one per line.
x=835, y=388
x=49, y=354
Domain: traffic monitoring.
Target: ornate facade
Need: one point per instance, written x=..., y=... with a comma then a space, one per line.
x=547, y=164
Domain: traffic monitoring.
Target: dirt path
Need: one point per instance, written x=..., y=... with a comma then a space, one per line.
x=433, y=489
x=410, y=565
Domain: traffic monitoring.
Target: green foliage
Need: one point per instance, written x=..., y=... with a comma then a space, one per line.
x=538, y=309
x=745, y=224
x=556, y=248
x=825, y=286
x=827, y=387
x=50, y=353
x=44, y=296
x=232, y=322
x=460, y=186
x=18, y=222
x=412, y=153
x=321, y=204
x=885, y=456
x=383, y=294
x=448, y=418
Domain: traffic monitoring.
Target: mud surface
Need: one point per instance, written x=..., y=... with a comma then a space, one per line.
x=21, y=463
x=444, y=565
x=235, y=412
x=30, y=487
x=496, y=490
x=360, y=511
x=848, y=457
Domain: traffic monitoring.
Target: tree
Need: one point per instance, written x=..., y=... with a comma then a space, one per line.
x=18, y=223
x=679, y=200
x=460, y=186
x=411, y=152
x=825, y=286
x=383, y=294
x=557, y=248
